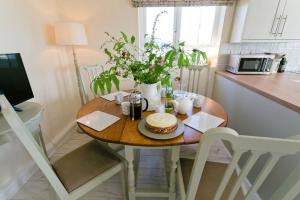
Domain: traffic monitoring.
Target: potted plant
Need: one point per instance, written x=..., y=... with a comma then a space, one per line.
x=148, y=67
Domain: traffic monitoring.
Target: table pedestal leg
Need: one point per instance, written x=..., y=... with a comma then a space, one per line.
x=167, y=164
x=173, y=166
x=129, y=155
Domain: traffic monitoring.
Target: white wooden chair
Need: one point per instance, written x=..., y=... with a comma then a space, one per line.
x=74, y=174
x=200, y=179
x=88, y=74
x=195, y=79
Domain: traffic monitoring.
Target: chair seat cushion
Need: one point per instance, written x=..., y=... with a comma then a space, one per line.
x=84, y=164
x=210, y=180
x=217, y=153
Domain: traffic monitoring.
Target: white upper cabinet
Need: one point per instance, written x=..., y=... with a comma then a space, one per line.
x=266, y=20
x=261, y=19
x=289, y=28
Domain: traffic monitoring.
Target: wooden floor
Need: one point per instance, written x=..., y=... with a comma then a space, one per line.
x=151, y=173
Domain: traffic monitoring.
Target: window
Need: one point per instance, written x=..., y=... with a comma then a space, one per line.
x=165, y=26
x=198, y=27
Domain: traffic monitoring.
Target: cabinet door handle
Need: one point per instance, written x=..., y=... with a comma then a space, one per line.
x=276, y=19
x=284, y=19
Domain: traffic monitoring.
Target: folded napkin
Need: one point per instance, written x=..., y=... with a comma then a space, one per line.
x=202, y=121
x=98, y=120
x=111, y=96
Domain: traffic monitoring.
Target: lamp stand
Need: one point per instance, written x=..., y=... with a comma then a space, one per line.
x=79, y=81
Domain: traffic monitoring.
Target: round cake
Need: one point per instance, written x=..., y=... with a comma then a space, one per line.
x=161, y=123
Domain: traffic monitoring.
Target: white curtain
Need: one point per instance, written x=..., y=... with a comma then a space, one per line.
x=180, y=3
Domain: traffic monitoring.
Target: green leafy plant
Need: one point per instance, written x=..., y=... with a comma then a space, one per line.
x=145, y=66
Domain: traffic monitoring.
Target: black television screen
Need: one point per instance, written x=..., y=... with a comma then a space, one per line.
x=14, y=83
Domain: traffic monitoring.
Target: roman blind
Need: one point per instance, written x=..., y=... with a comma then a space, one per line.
x=180, y=3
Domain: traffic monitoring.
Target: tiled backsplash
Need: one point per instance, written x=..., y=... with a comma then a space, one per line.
x=291, y=49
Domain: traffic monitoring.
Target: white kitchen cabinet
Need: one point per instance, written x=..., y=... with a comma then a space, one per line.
x=266, y=20
x=262, y=19
x=289, y=28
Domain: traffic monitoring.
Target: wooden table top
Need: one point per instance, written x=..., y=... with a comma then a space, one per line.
x=125, y=131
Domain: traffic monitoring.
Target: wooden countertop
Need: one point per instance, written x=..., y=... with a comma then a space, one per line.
x=283, y=88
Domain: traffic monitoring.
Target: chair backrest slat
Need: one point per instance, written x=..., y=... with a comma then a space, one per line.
x=88, y=74
x=189, y=80
x=31, y=145
x=228, y=173
x=246, y=169
x=262, y=175
x=193, y=83
x=289, y=188
x=256, y=146
x=198, y=82
x=193, y=79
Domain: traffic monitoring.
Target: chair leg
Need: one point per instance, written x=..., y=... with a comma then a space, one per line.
x=180, y=184
x=52, y=194
x=124, y=183
x=129, y=155
x=175, y=151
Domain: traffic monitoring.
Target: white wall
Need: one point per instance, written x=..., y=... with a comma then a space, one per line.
x=26, y=28
x=99, y=16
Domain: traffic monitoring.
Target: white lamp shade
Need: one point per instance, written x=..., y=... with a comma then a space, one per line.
x=70, y=33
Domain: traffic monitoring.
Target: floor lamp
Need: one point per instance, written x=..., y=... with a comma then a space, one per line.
x=72, y=34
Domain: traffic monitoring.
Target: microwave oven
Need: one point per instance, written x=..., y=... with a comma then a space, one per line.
x=250, y=64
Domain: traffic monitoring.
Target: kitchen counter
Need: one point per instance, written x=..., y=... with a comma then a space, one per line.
x=283, y=88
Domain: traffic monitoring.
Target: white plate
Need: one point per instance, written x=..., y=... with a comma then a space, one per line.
x=98, y=120
x=179, y=131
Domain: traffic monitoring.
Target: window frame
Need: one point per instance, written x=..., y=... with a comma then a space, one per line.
x=216, y=34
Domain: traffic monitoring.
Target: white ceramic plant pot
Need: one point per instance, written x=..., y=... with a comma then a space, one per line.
x=152, y=92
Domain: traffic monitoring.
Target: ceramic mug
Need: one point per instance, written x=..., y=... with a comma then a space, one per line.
x=125, y=107
x=160, y=108
x=119, y=97
x=198, y=101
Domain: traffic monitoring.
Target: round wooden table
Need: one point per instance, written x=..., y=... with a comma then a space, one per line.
x=125, y=132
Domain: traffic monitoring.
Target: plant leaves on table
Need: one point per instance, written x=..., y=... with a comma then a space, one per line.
x=180, y=60
x=124, y=37
x=116, y=81
x=147, y=65
x=108, y=84
x=132, y=39
x=101, y=86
